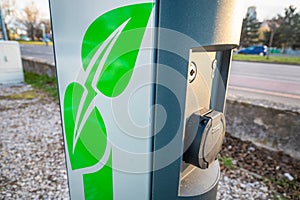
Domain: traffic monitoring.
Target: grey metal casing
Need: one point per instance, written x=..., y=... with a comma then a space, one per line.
x=211, y=23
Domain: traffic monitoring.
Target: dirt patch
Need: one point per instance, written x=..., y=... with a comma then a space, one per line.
x=280, y=171
x=31, y=94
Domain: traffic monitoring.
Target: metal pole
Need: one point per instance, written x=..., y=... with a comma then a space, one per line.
x=43, y=27
x=4, y=33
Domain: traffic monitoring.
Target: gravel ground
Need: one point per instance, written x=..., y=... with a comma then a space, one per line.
x=32, y=160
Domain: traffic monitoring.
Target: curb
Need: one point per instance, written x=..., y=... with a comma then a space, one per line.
x=269, y=127
x=38, y=66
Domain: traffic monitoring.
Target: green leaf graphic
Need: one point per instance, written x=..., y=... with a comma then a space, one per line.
x=98, y=185
x=121, y=60
x=91, y=143
x=111, y=44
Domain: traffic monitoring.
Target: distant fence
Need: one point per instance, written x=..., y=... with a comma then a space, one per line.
x=291, y=52
x=284, y=52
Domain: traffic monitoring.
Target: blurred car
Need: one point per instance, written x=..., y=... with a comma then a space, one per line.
x=25, y=38
x=254, y=50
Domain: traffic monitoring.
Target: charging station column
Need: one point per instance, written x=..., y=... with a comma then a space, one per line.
x=142, y=86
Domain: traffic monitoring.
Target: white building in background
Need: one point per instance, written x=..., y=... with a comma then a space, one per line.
x=251, y=12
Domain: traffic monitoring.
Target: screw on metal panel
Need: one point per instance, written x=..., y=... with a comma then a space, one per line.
x=214, y=67
x=192, y=72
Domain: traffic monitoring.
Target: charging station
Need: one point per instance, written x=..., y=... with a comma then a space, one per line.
x=142, y=86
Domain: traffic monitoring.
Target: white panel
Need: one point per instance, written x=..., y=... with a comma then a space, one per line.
x=130, y=154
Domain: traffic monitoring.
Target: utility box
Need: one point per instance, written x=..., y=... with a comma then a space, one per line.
x=142, y=88
x=11, y=69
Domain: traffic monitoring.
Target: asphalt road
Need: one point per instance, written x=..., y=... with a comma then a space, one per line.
x=271, y=77
x=278, y=82
x=41, y=52
x=254, y=80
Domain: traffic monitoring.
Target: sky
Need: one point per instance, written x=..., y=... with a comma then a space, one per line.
x=266, y=9
x=42, y=5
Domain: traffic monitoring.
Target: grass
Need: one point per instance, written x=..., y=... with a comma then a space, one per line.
x=42, y=82
x=281, y=185
x=271, y=59
x=278, y=196
x=227, y=162
x=34, y=42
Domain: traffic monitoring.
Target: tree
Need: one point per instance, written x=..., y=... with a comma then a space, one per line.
x=296, y=34
x=8, y=10
x=269, y=36
x=285, y=30
x=31, y=19
x=249, y=34
x=287, y=34
x=290, y=32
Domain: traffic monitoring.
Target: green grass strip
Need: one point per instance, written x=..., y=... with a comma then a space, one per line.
x=42, y=82
x=270, y=59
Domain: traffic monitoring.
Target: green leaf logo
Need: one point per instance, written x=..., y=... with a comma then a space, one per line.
x=109, y=51
x=108, y=57
x=122, y=57
x=87, y=148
